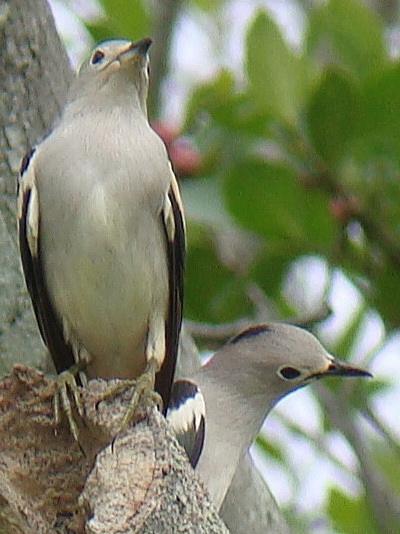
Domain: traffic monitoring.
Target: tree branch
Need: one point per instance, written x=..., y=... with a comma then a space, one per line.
x=385, y=507
x=381, y=429
x=224, y=331
x=139, y=481
x=165, y=14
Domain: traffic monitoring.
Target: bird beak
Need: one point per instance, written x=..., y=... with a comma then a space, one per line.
x=135, y=50
x=338, y=368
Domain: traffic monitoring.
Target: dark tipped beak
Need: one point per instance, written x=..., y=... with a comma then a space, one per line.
x=135, y=50
x=142, y=47
x=338, y=368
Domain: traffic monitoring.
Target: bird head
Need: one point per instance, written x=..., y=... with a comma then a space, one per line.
x=116, y=67
x=285, y=357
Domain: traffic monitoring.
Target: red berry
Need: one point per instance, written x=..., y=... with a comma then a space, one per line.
x=343, y=209
x=186, y=160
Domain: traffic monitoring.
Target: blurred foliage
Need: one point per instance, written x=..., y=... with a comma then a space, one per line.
x=303, y=158
x=350, y=515
x=121, y=19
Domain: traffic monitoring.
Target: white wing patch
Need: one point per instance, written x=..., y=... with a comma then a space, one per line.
x=169, y=218
x=33, y=221
x=177, y=195
x=27, y=185
x=188, y=415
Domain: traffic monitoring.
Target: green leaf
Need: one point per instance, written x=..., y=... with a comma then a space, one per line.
x=208, y=5
x=269, y=200
x=228, y=109
x=344, y=344
x=204, y=277
x=387, y=459
x=210, y=97
x=277, y=77
x=231, y=302
x=378, y=130
x=272, y=266
x=332, y=115
x=100, y=30
x=385, y=294
x=349, y=516
x=222, y=293
x=374, y=387
x=347, y=33
x=364, y=391
x=212, y=292
x=122, y=20
x=269, y=449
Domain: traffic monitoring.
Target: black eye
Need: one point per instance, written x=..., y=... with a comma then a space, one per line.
x=97, y=57
x=289, y=373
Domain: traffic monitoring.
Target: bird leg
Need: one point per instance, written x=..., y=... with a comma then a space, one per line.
x=66, y=382
x=144, y=388
x=145, y=383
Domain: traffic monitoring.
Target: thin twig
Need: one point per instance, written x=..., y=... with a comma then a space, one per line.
x=318, y=316
x=224, y=331
x=318, y=441
x=381, y=429
x=216, y=332
x=264, y=309
x=165, y=15
x=384, y=505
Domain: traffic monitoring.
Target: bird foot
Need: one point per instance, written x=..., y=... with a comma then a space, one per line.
x=115, y=389
x=143, y=394
x=66, y=383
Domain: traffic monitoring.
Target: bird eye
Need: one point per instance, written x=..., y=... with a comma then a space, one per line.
x=97, y=57
x=289, y=373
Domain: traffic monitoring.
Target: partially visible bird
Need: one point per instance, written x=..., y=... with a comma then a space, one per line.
x=102, y=232
x=218, y=413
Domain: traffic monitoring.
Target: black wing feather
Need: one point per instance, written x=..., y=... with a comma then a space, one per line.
x=50, y=325
x=176, y=264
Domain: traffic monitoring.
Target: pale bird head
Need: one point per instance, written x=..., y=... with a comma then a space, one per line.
x=115, y=68
x=284, y=358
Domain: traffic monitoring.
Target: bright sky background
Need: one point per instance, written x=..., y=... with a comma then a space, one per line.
x=199, y=49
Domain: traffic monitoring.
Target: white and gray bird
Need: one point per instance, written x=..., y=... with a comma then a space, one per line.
x=218, y=413
x=101, y=227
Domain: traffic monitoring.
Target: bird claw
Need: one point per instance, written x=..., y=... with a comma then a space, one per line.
x=115, y=389
x=143, y=394
x=66, y=382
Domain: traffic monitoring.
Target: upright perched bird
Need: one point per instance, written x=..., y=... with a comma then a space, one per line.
x=239, y=386
x=101, y=228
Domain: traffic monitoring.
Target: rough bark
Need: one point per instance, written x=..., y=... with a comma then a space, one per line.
x=34, y=73
x=34, y=76
x=138, y=481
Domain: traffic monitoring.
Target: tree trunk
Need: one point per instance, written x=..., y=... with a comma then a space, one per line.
x=34, y=75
